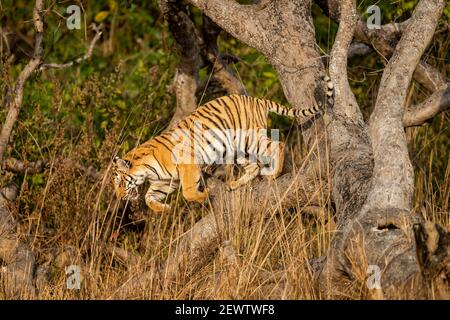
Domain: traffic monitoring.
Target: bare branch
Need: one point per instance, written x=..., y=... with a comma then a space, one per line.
x=384, y=40
x=38, y=21
x=211, y=52
x=429, y=77
x=186, y=77
x=435, y=104
x=4, y=39
x=85, y=57
x=393, y=174
x=39, y=166
x=238, y=20
x=358, y=49
x=345, y=101
x=15, y=102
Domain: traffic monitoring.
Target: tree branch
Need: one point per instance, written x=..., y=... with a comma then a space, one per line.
x=384, y=40
x=393, y=174
x=429, y=77
x=39, y=166
x=15, y=103
x=86, y=56
x=17, y=166
x=435, y=104
x=238, y=20
x=358, y=49
x=345, y=101
x=211, y=53
x=186, y=77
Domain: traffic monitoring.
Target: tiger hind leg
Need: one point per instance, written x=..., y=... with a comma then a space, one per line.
x=191, y=183
x=272, y=154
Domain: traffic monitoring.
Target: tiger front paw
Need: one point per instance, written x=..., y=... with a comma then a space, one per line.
x=158, y=207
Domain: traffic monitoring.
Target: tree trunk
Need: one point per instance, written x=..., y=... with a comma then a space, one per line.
x=372, y=177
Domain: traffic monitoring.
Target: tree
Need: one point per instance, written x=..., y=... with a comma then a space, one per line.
x=372, y=176
x=380, y=242
x=20, y=260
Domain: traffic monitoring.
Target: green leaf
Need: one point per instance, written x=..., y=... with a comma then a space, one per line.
x=99, y=17
x=269, y=74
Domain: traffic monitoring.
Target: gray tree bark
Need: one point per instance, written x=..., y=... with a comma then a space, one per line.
x=288, y=42
x=372, y=177
x=195, y=248
x=376, y=228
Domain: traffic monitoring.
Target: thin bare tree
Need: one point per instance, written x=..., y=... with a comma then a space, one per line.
x=21, y=271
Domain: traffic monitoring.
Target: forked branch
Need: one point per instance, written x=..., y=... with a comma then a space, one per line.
x=383, y=40
x=238, y=20
x=345, y=101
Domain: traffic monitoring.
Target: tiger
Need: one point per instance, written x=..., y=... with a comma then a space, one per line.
x=228, y=130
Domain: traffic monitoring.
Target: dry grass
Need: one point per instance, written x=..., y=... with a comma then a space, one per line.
x=75, y=220
x=88, y=115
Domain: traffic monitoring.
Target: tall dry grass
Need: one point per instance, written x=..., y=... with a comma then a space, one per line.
x=83, y=117
x=76, y=220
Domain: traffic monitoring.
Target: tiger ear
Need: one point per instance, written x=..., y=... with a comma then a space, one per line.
x=122, y=164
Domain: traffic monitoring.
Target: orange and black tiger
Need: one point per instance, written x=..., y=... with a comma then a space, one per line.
x=228, y=130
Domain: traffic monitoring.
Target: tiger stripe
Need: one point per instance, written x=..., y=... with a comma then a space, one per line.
x=228, y=128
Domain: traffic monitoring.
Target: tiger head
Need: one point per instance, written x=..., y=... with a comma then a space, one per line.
x=125, y=184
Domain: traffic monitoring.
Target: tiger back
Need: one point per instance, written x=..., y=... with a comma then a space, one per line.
x=228, y=130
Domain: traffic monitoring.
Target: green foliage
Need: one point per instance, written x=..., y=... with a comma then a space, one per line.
x=127, y=78
x=123, y=89
x=122, y=96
